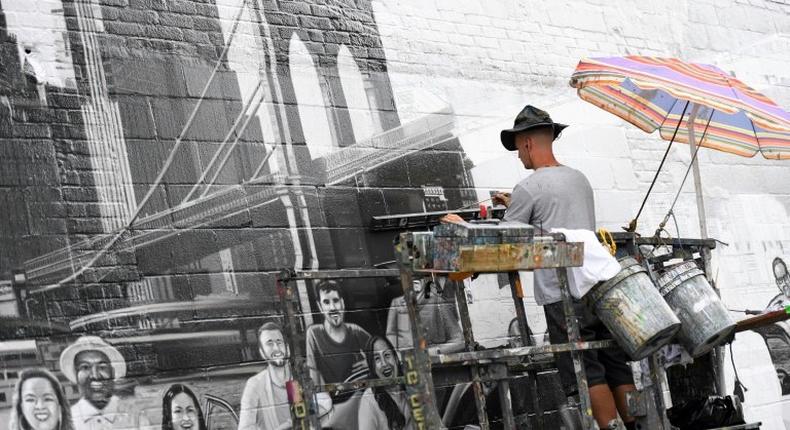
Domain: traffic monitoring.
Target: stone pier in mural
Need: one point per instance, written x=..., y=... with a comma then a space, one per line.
x=200, y=149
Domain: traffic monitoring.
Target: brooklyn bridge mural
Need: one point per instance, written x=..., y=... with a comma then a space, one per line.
x=156, y=181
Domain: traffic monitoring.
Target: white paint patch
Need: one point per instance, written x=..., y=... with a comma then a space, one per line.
x=39, y=26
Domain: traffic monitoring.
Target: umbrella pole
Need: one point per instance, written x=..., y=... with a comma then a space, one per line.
x=703, y=225
x=718, y=352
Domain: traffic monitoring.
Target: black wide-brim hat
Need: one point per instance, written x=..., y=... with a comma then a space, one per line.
x=529, y=117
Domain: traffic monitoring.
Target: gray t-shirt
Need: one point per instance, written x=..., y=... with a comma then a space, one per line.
x=552, y=197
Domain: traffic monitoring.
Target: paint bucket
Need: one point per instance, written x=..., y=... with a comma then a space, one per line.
x=706, y=321
x=631, y=307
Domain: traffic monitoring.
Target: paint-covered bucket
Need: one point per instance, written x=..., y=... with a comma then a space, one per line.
x=706, y=321
x=631, y=307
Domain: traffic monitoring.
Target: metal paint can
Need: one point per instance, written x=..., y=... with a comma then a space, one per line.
x=631, y=307
x=706, y=321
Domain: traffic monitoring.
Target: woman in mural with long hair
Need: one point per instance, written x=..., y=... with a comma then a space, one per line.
x=181, y=409
x=39, y=403
x=387, y=407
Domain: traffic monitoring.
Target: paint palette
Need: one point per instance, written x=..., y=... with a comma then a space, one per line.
x=490, y=247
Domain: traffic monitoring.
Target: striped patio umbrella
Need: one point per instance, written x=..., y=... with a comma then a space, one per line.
x=654, y=93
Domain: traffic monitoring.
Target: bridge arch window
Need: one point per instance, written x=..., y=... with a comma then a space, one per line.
x=358, y=92
x=311, y=104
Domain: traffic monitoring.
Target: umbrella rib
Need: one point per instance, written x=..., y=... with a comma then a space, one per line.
x=751, y=122
x=632, y=225
x=756, y=139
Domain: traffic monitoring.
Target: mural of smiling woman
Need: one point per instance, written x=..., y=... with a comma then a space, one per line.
x=39, y=403
x=384, y=408
x=181, y=409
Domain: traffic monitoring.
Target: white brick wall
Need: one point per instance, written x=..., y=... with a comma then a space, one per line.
x=500, y=55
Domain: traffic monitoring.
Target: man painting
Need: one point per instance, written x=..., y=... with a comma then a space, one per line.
x=94, y=365
x=557, y=196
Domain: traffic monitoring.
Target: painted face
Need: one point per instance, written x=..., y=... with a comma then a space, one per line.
x=273, y=347
x=332, y=307
x=782, y=278
x=522, y=144
x=183, y=412
x=780, y=270
x=385, y=360
x=40, y=405
x=417, y=285
x=488, y=386
x=94, y=377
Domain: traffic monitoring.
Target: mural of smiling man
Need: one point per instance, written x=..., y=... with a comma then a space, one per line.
x=264, y=403
x=93, y=366
x=335, y=352
x=334, y=347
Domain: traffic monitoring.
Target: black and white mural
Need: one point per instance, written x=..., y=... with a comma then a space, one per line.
x=188, y=152
x=162, y=161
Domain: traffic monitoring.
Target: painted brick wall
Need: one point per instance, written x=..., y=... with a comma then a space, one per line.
x=489, y=60
x=291, y=123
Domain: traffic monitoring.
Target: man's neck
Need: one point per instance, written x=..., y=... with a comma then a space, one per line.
x=544, y=157
x=337, y=333
x=99, y=405
x=547, y=163
x=280, y=374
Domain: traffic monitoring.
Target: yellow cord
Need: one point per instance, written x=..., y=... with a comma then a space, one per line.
x=608, y=240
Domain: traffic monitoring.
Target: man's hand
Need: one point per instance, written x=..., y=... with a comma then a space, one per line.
x=501, y=198
x=452, y=219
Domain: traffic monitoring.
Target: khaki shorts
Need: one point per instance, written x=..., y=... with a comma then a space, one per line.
x=603, y=366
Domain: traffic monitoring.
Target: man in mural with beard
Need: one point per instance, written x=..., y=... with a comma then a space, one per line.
x=335, y=347
x=94, y=365
x=264, y=403
x=557, y=196
x=335, y=352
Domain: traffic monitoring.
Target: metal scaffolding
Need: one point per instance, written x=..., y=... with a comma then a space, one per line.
x=548, y=252
x=648, y=405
